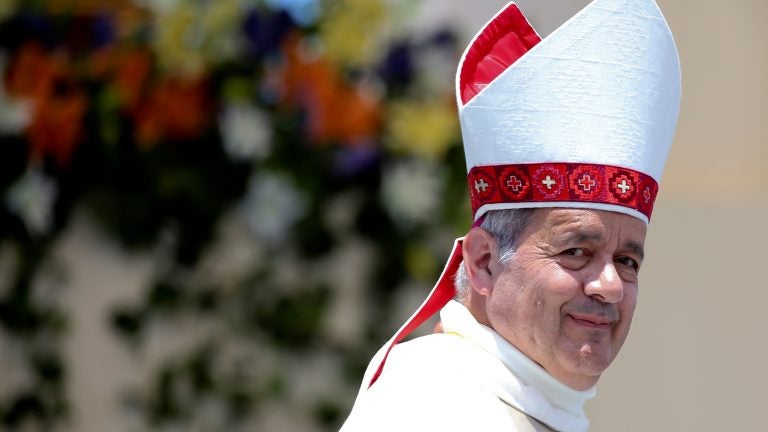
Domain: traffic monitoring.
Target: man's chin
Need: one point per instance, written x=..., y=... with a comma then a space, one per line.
x=583, y=366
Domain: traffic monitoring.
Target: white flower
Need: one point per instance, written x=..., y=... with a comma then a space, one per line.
x=15, y=114
x=435, y=71
x=273, y=205
x=412, y=191
x=32, y=198
x=246, y=132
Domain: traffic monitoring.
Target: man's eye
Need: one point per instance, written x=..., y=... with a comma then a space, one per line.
x=575, y=252
x=629, y=262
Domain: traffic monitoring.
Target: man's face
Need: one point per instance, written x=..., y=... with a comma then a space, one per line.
x=567, y=295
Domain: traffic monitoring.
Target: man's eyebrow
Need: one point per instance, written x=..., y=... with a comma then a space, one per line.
x=636, y=248
x=581, y=236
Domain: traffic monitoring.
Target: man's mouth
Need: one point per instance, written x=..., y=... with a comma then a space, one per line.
x=591, y=321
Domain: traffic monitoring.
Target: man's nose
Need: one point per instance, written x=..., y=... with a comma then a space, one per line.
x=605, y=285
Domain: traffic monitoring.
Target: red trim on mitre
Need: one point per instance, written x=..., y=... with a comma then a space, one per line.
x=498, y=45
x=562, y=182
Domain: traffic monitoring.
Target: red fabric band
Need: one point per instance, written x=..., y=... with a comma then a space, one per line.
x=562, y=182
x=441, y=294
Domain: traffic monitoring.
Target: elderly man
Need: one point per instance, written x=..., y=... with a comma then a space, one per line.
x=565, y=140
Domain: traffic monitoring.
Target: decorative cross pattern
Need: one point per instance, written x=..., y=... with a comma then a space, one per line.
x=514, y=183
x=623, y=186
x=586, y=182
x=561, y=182
x=548, y=182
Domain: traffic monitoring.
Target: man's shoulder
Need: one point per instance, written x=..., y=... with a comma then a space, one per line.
x=438, y=352
x=424, y=385
x=429, y=346
x=438, y=363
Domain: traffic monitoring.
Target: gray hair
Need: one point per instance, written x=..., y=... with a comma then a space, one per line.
x=506, y=227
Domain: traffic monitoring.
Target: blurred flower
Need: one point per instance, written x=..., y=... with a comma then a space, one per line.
x=58, y=104
x=420, y=262
x=335, y=109
x=264, y=33
x=220, y=25
x=272, y=206
x=103, y=30
x=246, y=131
x=350, y=161
x=15, y=113
x=192, y=35
x=436, y=65
x=32, y=198
x=304, y=12
x=126, y=69
x=176, y=108
x=349, y=31
x=397, y=67
x=426, y=129
x=130, y=21
x=179, y=39
x=7, y=8
x=160, y=6
x=412, y=190
x=85, y=30
x=56, y=127
x=33, y=72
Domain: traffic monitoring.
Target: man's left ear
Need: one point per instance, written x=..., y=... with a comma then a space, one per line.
x=479, y=254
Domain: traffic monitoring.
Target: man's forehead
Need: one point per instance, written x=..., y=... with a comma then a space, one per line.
x=589, y=224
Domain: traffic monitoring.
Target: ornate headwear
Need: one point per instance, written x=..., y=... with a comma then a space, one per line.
x=583, y=118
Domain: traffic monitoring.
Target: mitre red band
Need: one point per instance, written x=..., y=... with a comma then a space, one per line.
x=561, y=182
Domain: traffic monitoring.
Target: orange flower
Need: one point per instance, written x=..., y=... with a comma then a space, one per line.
x=176, y=109
x=132, y=70
x=59, y=106
x=33, y=72
x=127, y=69
x=56, y=127
x=336, y=110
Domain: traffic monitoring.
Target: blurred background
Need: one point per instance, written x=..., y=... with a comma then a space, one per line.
x=212, y=213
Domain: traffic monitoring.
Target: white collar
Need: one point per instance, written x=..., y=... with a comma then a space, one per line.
x=531, y=388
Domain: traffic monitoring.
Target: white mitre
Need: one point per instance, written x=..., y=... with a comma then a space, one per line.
x=584, y=118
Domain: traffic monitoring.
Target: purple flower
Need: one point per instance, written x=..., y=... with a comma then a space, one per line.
x=352, y=160
x=265, y=32
x=102, y=30
x=397, y=67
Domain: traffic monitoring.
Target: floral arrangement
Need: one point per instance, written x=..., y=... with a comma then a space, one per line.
x=293, y=164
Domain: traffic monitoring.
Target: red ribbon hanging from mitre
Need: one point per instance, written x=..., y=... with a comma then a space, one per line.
x=502, y=41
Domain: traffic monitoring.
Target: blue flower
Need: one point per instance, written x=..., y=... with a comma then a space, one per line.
x=303, y=12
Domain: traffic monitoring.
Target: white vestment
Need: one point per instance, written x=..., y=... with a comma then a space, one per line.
x=466, y=379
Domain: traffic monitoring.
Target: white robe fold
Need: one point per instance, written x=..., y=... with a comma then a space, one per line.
x=467, y=378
